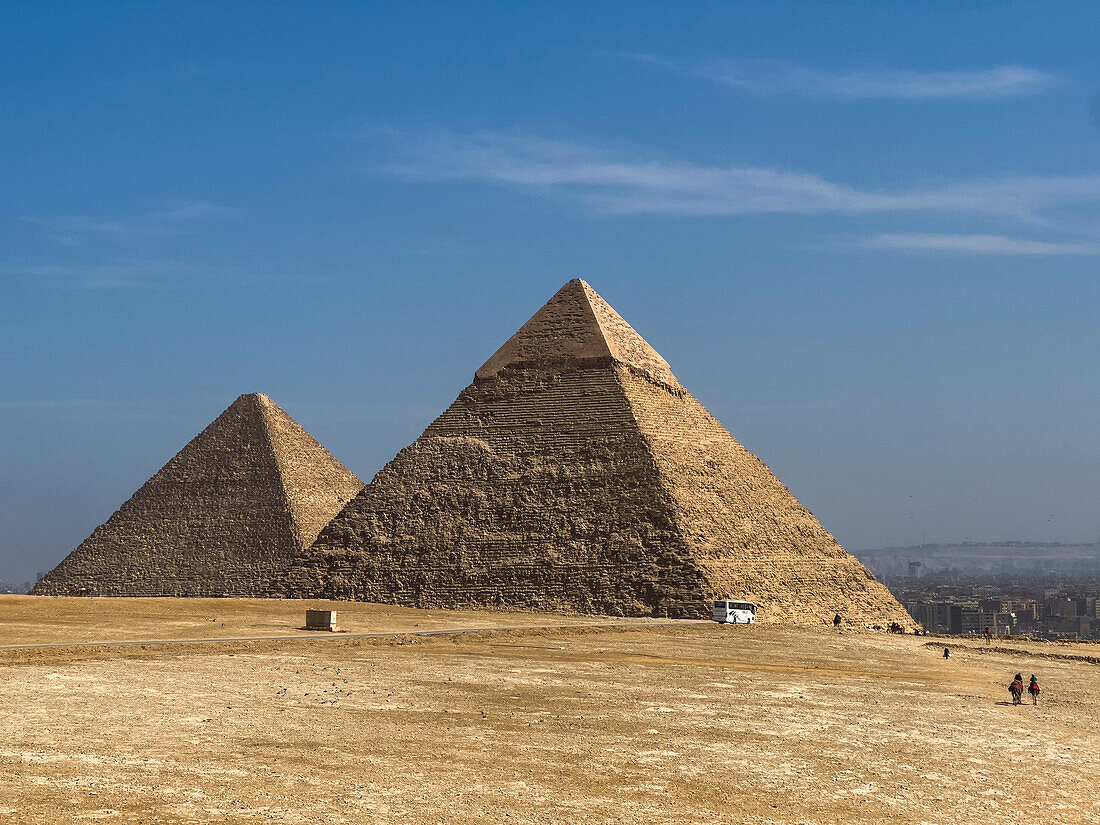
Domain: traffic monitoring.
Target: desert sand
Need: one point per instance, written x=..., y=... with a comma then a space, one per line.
x=641, y=723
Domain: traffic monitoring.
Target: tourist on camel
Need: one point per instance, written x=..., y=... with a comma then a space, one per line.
x=1016, y=688
x=1033, y=689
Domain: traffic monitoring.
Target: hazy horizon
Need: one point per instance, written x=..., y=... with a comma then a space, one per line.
x=872, y=256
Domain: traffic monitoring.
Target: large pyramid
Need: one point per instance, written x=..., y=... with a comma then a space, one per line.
x=227, y=512
x=576, y=472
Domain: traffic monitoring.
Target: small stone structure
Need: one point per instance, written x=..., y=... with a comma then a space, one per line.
x=227, y=512
x=577, y=473
x=321, y=620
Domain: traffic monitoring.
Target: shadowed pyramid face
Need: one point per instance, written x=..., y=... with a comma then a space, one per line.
x=227, y=512
x=576, y=473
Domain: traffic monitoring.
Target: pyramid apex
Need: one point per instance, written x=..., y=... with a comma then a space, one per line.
x=253, y=403
x=576, y=323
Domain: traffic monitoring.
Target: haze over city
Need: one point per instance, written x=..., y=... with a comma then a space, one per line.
x=871, y=256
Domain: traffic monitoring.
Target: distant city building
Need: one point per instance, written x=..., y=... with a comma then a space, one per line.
x=1062, y=607
x=1064, y=612
x=965, y=618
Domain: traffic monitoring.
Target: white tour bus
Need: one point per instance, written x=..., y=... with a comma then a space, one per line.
x=731, y=612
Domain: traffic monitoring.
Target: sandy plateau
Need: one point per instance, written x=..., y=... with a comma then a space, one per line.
x=640, y=723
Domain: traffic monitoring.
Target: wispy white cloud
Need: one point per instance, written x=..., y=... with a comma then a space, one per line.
x=80, y=225
x=107, y=276
x=173, y=218
x=780, y=77
x=980, y=244
x=150, y=275
x=193, y=210
x=626, y=181
x=54, y=404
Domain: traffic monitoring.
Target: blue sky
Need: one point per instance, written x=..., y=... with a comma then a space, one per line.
x=866, y=236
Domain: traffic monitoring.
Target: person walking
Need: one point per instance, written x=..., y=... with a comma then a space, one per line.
x=1033, y=689
x=837, y=620
x=1016, y=688
x=947, y=653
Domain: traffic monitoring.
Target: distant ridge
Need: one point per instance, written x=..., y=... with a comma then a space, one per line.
x=985, y=559
x=227, y=512
x=577, y=473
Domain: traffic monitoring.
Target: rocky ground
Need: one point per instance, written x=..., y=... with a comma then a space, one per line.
x=639, y=724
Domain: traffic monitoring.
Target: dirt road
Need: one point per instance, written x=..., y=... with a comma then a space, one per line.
x=339, y=636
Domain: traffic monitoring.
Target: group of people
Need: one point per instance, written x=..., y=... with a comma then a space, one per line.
x=1016, y=689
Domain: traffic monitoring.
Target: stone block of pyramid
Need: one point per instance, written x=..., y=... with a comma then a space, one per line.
x=577, y=473
x=231, y=509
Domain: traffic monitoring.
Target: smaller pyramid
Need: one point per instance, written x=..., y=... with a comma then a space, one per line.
x=224, y=515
